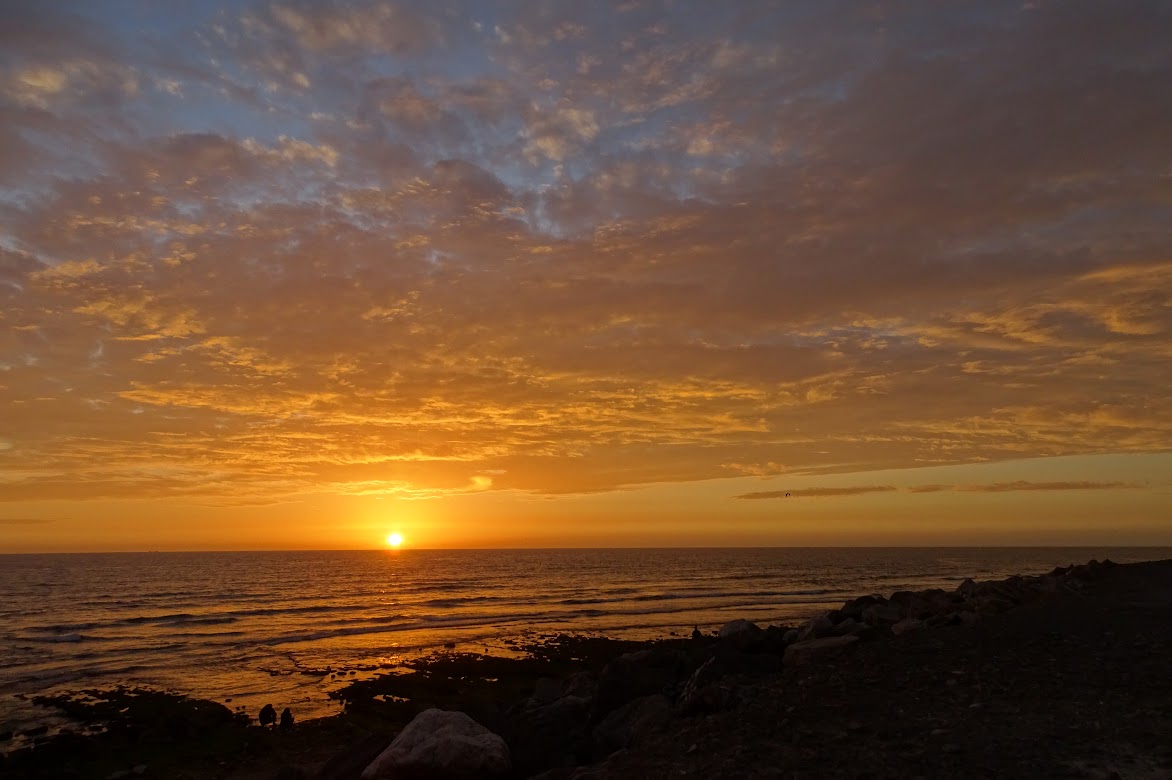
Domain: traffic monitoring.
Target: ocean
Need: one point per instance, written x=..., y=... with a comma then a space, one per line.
x=249, y=628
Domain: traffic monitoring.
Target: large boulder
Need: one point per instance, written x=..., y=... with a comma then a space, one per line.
x=927, y=603
x=967, y=588
x=907, y=625
x=442, y=745
x=882, y=614
x=802, y=652
x=818, y=626
x=632, y=723
x=854, y=608
x=740, y=632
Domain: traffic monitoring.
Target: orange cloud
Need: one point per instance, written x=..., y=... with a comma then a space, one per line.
x=574, y=265
x=817, y=492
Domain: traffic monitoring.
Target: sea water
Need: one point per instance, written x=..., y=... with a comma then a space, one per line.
x=248, y=628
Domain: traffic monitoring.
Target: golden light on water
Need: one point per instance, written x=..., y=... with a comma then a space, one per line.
x=394, y=540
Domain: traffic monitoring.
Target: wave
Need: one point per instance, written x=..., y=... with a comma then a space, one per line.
x=63, y=639
x=189, y=618
x=537, y=618
x=705, y=594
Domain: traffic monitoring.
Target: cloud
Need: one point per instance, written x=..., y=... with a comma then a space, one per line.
x=371, y=246
x=25, y=521
x=1007, y=487
x=995, y=487
x=817, y=492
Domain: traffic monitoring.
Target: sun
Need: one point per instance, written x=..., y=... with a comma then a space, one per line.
x=395, y=539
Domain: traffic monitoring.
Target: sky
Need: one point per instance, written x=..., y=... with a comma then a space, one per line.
x=291, y=274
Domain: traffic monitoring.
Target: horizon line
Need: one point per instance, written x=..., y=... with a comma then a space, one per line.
x=611, y=548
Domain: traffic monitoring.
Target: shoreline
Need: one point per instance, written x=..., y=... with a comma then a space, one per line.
x=146, y=640
x=569, y=685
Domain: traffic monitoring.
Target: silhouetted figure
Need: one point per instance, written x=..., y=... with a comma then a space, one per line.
x=268, y=715
x=286, y=719
x=696, y=633
x=787, y=495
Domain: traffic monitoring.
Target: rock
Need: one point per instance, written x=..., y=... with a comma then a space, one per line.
x=801, y=652
x=286, y=718
x=819, y=625
x=267, y=716
x=901, y=598
x=882, y=614
x=926, y=603
x=349, y=763
x=854, y=608
x=791, y=636
x=581, y=684
x=291, y=773
x=450, y=645
x=558, y=773
x=5, y=736
x=544, y=691
x=847, y=626
x=121, y=774
x=943, y=619
x=641, y=673
x=139, y=769
x=703, y=691
x=740, y=632
x=440, y=744
x=907, y=625
x=632, y=723
x=555, y=734
x=967, y=589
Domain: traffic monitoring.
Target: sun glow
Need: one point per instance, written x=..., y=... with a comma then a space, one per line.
x=395, y=539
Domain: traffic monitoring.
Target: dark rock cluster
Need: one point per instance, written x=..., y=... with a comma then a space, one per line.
x=565, y=723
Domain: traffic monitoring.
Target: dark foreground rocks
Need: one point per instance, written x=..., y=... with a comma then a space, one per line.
x=1060, y=675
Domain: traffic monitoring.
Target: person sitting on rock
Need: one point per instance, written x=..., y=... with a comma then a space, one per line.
x=286, y=719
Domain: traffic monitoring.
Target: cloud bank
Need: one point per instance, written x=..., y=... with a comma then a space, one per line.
x=372, y=247
x=993, y=487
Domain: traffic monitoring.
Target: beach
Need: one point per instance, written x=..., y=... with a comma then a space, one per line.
x=1048, y=675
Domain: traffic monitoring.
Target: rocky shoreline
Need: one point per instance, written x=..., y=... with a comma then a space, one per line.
x=876, y=688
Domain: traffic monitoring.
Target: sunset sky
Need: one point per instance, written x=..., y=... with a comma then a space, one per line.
x=294, y=274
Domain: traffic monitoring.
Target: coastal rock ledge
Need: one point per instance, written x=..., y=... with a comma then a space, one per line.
x=442, y=745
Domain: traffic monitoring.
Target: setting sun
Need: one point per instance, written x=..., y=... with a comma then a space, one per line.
x=395, y=539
